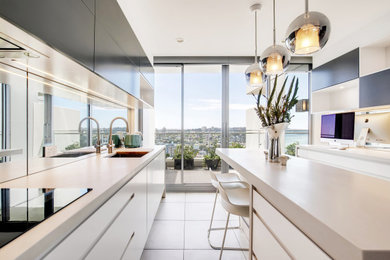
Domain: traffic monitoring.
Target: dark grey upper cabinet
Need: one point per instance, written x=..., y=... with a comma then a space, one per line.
x=147, y=70
x=112, y=64
x=339, y=70
x=109, y=14
x=68, y=26
x=374, y=89
x=90, y=4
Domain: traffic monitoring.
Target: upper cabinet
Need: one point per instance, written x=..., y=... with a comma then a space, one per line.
x=65, y=25
x=339, y=70
x=375, y=89
x=112, y=63
x=95, y=33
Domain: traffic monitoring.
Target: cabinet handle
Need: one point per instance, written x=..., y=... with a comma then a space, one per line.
x=132, y=197
x=127, y=245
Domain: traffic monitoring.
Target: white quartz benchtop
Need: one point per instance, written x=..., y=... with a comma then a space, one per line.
x=345, y=213
x=104, y=175
x=370, y=154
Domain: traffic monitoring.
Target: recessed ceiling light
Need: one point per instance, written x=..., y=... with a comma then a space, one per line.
x=179, y=40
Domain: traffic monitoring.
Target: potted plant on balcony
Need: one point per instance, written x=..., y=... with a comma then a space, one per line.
x=276, y=116
x=189, y=154
x=211, y=159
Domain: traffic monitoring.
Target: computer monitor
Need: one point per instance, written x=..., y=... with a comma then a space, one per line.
x=338, y=128
x=379, y=125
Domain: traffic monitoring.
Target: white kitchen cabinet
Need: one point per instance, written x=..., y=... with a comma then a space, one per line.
x=274, y=235
x=128, y=228
x=156, y=186
x=265, y=246
x=119, y=228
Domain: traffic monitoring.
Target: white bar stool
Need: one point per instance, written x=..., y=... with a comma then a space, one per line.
x=230, y=181
x=235, y=201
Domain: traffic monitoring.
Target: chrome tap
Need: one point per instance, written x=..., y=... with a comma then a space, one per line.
x=110, y=145
x=97, y=145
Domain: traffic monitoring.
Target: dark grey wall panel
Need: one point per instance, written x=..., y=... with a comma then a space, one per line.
x=339, y=70
x=65, y=25
x=374, y=89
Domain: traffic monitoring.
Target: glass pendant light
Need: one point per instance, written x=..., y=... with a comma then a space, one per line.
x=308, y=33
x=276, y=58
x=254, y=74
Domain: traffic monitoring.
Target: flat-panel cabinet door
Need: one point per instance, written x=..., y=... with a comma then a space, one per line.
x=65, y=25
x=112, y=64
x=156, y=186
x=147, y=70
x=128, y=229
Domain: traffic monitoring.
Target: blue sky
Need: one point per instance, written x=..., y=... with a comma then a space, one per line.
x=202, y=97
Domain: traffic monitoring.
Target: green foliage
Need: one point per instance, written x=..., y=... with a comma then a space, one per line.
x=75, y=145
x=189, y=152
x=277, y=109
x=290, y=149
x=211, y=153
x=236, y=145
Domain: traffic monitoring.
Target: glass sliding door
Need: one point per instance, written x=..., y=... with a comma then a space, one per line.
x=202, y=121
x=244, y=126
x=168, y=123
x=298, y=130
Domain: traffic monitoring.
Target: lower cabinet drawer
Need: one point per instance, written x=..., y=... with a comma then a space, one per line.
x=265, y=245
x=296, y=242
x=128, y=228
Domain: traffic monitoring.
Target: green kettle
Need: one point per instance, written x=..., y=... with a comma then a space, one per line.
x=133, y=140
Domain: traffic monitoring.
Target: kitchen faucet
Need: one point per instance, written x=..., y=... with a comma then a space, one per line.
x=110, y=145
x=97, y=145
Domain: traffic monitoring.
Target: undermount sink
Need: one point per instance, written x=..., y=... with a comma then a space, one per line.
x=126, y=154
x=71, y=155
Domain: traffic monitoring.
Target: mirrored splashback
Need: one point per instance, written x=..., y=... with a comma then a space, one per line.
x=43, y=123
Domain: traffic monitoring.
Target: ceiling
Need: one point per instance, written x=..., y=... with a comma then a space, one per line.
x=226, y=27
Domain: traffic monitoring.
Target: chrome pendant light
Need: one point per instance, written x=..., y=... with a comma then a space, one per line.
x=308, y=33
x=254, y=74
x=276, y=58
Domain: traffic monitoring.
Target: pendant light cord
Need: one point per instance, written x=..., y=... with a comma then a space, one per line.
x=306, y=7
x=274, y=23
x=255, y=36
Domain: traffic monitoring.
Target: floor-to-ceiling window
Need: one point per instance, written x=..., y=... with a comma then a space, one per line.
x=167, y=104
x=298, y=130
x=244, y=126
x=189, y=114
x=202, y=120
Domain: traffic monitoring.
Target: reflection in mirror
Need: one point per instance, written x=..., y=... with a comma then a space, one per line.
x=104, y=114
x=56, y=136
x=22, y=209
x=13, y=123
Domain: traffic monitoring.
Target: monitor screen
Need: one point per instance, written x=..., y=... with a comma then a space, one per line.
x=338, y=126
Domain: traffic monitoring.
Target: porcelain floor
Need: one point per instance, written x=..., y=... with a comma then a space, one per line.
x=179, y=231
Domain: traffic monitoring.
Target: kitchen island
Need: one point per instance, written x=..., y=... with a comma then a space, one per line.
x=126, y=192
x=309, y=210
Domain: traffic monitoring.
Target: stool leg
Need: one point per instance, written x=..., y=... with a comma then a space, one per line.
x=212, y=214
x=224, y=236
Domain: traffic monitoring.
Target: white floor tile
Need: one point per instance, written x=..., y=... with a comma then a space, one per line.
x=242, y=238
x=171, y=211
x=202, y=211
x=174, y=197
x=166, y=235
x=212, y=255
x=162, y=255
x=196, y=235
x=200, y=197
